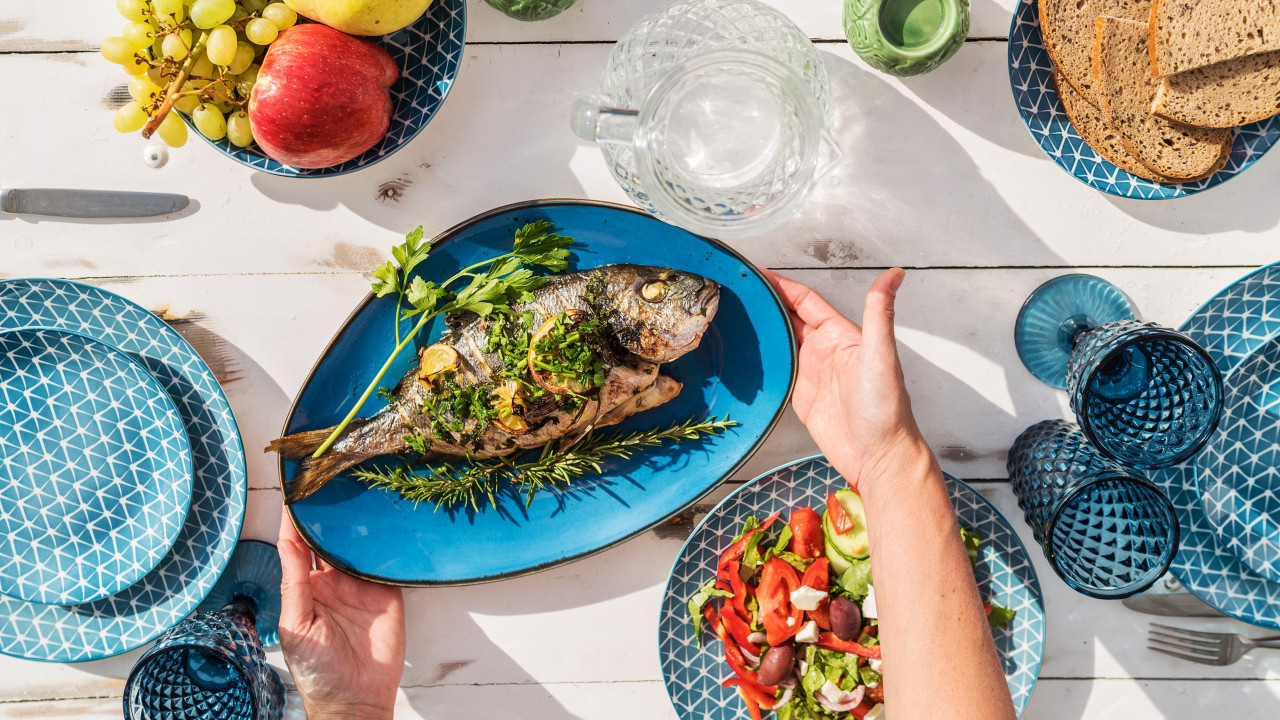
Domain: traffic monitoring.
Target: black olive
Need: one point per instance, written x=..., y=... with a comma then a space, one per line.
x=846, y=618
x=776, y=664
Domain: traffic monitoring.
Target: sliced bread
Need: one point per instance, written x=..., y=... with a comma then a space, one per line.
x=1122, y=72
x=1188, y=34
x=1093, y=129
x=1235, y=92
x=1067, y=29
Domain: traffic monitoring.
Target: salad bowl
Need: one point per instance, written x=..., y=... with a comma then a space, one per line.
x=743, y=368
x=693, y=673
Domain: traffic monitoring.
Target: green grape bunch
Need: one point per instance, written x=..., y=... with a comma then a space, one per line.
x=200, y=57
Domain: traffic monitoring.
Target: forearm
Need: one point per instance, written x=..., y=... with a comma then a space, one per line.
x=939, y=657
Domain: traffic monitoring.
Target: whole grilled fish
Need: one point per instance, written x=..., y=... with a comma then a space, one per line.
x=651, y=315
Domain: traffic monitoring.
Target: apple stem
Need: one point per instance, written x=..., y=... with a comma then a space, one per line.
x=175, y=86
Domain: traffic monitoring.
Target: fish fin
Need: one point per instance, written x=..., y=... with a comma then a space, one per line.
x=313, y=473
x=299, y=445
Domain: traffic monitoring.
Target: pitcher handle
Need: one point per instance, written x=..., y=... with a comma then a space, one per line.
x=592, y=118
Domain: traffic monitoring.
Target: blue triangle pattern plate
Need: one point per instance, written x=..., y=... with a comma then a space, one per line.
x=1006, y=577
x=743, y=368
x=142, y=611
x=95, y=468
x=1231, y=326
x=428, y=54
x=1030, y=72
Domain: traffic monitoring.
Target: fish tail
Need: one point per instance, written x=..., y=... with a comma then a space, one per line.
x=361, y=440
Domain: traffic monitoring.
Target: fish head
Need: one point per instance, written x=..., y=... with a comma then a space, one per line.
x=660, y=313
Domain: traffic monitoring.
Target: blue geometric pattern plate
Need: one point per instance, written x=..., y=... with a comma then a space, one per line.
x=1239, y=470
x=1005, y=574
x=1231, y=327
x=743, y=368
x=95, y=468
x=1030, y=73
x=428, y=54
x=142, y=611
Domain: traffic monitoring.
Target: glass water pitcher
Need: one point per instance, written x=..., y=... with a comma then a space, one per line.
x=713, y=115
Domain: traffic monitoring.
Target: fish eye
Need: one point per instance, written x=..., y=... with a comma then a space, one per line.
x=654, y=291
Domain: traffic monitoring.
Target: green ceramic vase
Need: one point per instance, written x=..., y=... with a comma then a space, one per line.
x=530, y=10
x=906, y=37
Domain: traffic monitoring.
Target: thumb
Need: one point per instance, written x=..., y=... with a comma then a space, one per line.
x=296, y=609
x=877, y=318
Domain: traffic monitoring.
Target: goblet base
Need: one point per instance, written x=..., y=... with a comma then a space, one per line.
x=253, y=572
x=1056, y=314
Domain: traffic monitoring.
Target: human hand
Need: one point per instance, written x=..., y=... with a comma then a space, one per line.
x=849, y=389
x=343, y=638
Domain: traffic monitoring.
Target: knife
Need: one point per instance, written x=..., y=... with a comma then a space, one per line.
x=1180, y=604
x=89, y=203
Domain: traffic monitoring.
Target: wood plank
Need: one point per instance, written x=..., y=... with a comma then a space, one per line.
x=938, y=171
x=30, y=26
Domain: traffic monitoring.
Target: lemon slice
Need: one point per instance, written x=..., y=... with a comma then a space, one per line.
x=506, y=400
x=436, y=359
x=556, y=384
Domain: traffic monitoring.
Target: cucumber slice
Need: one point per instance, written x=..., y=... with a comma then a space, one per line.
x=839, y=561
x=852, y=544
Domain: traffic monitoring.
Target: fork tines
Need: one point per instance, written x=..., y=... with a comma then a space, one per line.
x=1193, y=645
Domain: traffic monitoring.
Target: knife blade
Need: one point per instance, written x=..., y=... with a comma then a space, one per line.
x=89, y=203
x=1181, y=604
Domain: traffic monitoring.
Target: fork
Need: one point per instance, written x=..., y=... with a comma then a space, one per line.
x=1205, y=647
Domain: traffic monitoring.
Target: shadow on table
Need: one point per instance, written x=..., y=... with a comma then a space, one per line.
x=1245, y=203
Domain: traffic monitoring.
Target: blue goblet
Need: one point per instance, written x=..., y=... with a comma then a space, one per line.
x=1106, y=531
x=212, y=666
x=1145, y=395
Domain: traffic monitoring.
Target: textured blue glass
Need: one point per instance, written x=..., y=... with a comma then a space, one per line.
x=1054, y=316
x=1144, y=395
x=1107, y=532
x=209, y=667
x=253, y=572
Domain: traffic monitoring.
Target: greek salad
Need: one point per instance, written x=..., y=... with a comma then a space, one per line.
x=796, y=613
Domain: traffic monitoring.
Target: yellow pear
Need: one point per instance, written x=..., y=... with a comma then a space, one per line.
x=362, y=17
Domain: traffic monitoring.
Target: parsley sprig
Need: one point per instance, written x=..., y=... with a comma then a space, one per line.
x=493, y=285
x=452, y=486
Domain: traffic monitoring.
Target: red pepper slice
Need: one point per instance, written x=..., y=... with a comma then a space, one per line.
x=781, y=619
x=740, y=590
x=864, y=707
x=752, y=692
x=818, y=577
x=840, y=521
x=738, y=629
x=806, y=534
x=732, y=654
x=735, y=550
x=829, y=641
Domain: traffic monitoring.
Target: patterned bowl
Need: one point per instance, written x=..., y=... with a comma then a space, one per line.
x=692, y=674
x=1029, y=74
x=428, y=53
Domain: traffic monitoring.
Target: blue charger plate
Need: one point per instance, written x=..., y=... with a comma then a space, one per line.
x=95, y=468
x=1030, y=72
x=1239, y=470
x=1006, y=577
x=142, y=611
x=428, y=53
x=1231, y=327
x=744, y=368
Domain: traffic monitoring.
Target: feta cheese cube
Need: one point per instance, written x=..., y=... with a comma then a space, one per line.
x=808, y=633
x=869, y=604
x=807, y=598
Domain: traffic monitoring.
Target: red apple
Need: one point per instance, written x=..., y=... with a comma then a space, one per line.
x=321, y=97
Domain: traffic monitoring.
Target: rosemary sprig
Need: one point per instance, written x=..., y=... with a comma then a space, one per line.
x=451, y=486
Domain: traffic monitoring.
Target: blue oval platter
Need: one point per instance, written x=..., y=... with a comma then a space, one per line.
x=95, y=468
x=744, y=368
x=1030, y=72
x=1006, y=577
x=428, y=54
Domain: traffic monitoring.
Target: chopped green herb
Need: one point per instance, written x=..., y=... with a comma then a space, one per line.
x=696, y=603
x=1001, y=617
x=971, y=540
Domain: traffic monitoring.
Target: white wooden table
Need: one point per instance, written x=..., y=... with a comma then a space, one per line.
x=939, y=176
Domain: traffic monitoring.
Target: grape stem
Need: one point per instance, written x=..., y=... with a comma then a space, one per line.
x=175, y=87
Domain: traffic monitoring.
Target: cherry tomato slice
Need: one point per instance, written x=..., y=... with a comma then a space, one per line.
x=781, y=619
x=806, y=533
x=818, y=577
x=840, y=521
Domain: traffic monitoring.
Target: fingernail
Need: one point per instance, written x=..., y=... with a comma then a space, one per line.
x=897, y=282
